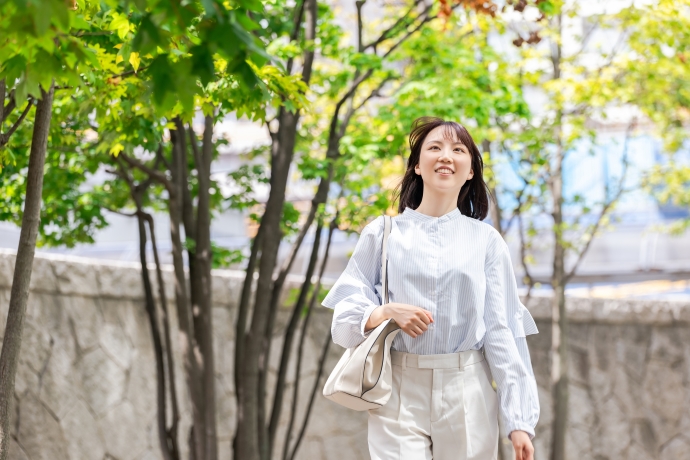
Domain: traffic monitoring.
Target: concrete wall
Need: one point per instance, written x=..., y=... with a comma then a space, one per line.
x=85, y=386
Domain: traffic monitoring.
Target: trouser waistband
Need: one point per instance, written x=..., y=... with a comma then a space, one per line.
x=445, y=361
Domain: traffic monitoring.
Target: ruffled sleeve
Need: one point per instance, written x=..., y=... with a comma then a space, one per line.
x=508, y=323
x=358, y=290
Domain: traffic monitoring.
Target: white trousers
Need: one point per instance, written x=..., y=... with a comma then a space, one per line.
x=442, y=407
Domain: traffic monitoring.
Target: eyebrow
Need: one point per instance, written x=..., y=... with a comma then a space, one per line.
x=435, y=141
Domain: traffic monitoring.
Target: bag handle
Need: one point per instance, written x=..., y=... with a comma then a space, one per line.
x=384, y=259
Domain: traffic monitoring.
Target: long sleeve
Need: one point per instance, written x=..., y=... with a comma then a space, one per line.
x=358, y=290
x=507, y=323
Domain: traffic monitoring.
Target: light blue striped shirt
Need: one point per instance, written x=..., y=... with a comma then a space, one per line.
x=459, y=269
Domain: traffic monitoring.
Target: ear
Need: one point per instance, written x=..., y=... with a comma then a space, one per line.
x=470, y=175
x=417, y=170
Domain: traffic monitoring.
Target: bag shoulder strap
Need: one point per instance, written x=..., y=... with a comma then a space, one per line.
x=384, y=259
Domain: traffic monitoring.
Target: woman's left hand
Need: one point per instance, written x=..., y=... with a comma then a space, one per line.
x=522, y=445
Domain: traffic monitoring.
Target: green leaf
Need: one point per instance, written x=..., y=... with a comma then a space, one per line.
x=202, y=63
x=134, y=60
x=79, y=23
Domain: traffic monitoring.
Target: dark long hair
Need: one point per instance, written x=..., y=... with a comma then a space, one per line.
x=473, y=199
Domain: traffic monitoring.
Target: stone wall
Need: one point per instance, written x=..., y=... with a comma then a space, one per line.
x=85, y=386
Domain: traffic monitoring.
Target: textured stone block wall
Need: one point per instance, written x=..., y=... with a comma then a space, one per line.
x=629, y=364
x=85, y=386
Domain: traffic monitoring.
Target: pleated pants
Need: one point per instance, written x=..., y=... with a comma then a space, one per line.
x=442, y=407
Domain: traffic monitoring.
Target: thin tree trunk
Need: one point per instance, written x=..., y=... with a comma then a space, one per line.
x=201, y=286
x=298, y=377
x=494, y=208
x=187, y=340
x=156, y=336
x=314, y=390
x=314, y=296
x=21, y=281
x=266, y=302
x=255, y=432
x=241, y=324
x=290, y=331
x=188, y=221
x=165, y=320
x=559, y=319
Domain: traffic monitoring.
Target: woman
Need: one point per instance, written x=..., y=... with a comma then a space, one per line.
x=452, y=291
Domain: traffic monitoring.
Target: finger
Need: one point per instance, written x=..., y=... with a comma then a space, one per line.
x=421, y=325
x=418, y=330
x=428, y=317
x=423, y=317
x=518, y=452
x=411, y=333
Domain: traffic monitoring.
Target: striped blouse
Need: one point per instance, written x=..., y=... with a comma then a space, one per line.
x=459, y=269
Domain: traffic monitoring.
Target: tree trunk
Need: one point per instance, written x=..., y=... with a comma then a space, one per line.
x=165, y=319
x=156, y=336
x=251, y=440
x=290, y=331
x=201, y=286
x=559, y=319
x=19, y=296
x=287, y=453
x=494, y=208
x=252, y=435
x=187, y=340
x=241, y=324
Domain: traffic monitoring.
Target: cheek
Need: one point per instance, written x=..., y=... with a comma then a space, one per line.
x=427, y=161
x=464, y=163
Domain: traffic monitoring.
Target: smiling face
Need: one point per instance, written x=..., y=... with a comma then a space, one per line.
x=445, y=163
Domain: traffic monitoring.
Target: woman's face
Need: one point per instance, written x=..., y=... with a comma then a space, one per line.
x=445, y=164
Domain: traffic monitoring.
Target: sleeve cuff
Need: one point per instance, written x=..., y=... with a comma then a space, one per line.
x=519, y=426
x=365, y=318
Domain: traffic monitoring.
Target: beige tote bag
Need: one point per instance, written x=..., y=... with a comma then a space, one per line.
x=362, y=378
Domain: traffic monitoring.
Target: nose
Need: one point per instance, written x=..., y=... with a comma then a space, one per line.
x=445, y=155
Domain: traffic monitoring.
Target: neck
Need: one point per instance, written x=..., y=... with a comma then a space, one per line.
x=437, y=204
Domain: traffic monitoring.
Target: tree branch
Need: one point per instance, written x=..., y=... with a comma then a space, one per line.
x=195, y=146
x=9, y=108
x=414, y=30
x=294, y=35
x=309, y=35
x=3, y=89
x=130, y=72
x=359, y=4
x=384, y=35
x=523, y=258
x=5, y=138
x=353, y=109
x=156, y=175
x=607, y=205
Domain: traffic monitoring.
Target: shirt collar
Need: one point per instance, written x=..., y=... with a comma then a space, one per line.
x=409, y=212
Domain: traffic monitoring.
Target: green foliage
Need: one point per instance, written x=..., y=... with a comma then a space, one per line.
x=71, y=211
x=671, y=184
x=225, y=258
